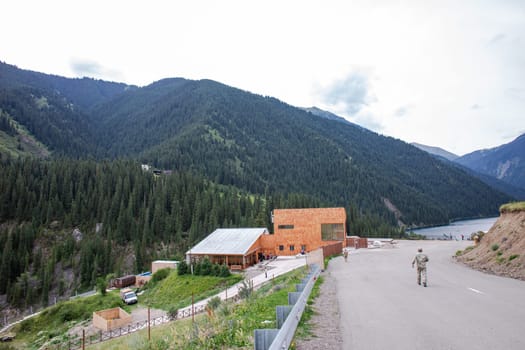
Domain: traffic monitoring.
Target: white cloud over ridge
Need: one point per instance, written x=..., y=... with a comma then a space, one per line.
x=443, y=73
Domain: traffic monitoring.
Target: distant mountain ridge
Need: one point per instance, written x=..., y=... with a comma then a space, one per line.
x=436, y=151
x=506, y=162
x=258, y=144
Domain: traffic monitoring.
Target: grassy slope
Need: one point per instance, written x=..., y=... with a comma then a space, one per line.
x=54, y=322
x=230, y=326
x=175, y=291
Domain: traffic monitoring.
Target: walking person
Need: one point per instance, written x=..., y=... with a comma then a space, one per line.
x=345, y=254
x=421, y=261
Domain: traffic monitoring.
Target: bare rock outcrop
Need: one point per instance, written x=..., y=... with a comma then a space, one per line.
x=502, y=250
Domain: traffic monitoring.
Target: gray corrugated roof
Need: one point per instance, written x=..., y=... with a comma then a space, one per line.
x=228, y=241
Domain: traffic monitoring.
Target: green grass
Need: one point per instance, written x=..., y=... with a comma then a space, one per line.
x=176, y=291
x=512, y=207
x=230, y=326
x=53, y=322
x=494, y=247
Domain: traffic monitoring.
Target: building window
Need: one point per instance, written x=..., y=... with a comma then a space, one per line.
x=332, y=232
x=292, y=248
x=281, y=247
x=285, y=227
x=303, y=247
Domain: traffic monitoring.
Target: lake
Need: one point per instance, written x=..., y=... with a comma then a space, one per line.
x=457, y=228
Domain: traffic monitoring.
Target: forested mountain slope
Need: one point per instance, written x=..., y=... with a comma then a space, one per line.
x=232, y=137
x=82, y=93
x=261, y=144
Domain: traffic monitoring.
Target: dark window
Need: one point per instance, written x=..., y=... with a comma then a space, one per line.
x=285, y=227
x=292, y=248
x=332, y=232
x=281, y=247
x=303, y=247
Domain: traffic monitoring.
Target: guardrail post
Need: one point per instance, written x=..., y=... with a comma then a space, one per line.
x=288, y=317
x=264, y=338
x=293, y=297
x=282, y=311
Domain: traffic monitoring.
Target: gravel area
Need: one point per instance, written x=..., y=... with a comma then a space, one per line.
x=326, y=319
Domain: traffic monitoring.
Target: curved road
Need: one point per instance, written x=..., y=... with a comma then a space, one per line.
x=382, y=307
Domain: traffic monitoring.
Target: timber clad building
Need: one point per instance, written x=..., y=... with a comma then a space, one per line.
x=295, y=231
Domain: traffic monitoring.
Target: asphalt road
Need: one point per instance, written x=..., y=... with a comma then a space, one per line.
x=382, y=307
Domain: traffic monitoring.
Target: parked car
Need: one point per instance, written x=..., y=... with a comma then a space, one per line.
x=128, y=296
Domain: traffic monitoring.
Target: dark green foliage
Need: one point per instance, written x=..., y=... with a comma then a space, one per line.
x=101, y=285
x=205, y=267
x=160, y=275
x=64, y=194
x=6, y=125
x=224, y=271
x=182, y=268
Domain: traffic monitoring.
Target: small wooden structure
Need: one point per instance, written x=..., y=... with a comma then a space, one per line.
x=109, y=319
x=163, y=264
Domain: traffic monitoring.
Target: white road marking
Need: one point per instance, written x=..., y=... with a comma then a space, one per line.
x=476, y=291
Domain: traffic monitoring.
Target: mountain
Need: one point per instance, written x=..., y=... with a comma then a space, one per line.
x=437, y=151
x=506, y=162
x=328, y=115
x=261, y=144
x=450, y=158
x=81, y=93
x=255, y=143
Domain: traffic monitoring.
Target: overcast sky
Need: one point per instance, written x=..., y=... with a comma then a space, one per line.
x=443, y=73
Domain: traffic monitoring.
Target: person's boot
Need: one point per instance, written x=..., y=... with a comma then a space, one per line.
x=424, y=284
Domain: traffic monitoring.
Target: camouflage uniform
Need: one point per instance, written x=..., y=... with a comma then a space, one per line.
x=421, y=261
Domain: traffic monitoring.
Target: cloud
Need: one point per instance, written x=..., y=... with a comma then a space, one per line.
x=497, y=38
x=401, y=111
x=93, y=69
x=475, y=106
x=349, y=94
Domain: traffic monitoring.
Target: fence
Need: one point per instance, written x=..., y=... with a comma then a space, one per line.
x=288, y=316
x=80, y=340
x=333, y=249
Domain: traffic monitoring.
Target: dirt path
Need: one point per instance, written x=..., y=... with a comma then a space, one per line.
x=326, y=319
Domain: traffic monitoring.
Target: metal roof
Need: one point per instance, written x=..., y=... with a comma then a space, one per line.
x=228, y=241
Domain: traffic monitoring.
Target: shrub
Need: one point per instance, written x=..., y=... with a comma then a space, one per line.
x=173, y=312
x=182, y=268
x=205, y=267
x=160, y=275
x=513, y=256
x=494, y=247
x=101, y=285
x=216, y=270
x=225, y=271
x=245, y=290
x=459, y=252
x=214, y=303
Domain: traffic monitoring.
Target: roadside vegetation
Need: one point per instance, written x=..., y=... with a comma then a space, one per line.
x=226, y=325
x=52, y=324
x=174, y=291
x=166, y=291
x=512, y=207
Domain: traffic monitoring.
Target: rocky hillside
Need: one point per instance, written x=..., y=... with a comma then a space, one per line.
x=502, y=250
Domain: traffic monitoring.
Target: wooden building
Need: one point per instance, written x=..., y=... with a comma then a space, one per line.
x=296, y=231
x=236, y=247
x=304, y=230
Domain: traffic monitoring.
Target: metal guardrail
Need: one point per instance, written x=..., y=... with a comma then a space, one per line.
x=288, y=316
